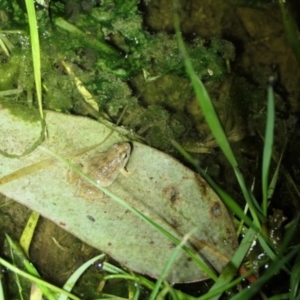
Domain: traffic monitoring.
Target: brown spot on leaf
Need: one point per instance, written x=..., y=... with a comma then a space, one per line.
x=172, y=193
x=175, y=223
x=203, y=185
x=215, y=210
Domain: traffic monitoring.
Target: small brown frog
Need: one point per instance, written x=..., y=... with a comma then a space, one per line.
x=103, y=168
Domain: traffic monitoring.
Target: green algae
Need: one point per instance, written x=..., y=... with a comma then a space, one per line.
x=28, y=114
x=109, y=50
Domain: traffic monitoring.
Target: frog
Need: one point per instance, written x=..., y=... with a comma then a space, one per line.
x=103, y=168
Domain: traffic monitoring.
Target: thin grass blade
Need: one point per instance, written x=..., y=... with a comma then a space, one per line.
x=268, y=146
x=205, y=102
x=1, y=290
x=281, y=297
x=29, y=267
x=211, y=116
x=35, y=47
x=231, y=268
x=35, y=279
x=17, y=279
x=68, y=286
x=159, y=281
x=3, y=46
x=295, y=279
x=273, y=182
x=274, y=267
x=290, y=27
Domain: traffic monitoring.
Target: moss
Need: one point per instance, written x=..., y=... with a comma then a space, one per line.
x=28, y=114
x=108, y=49
x=9, y=71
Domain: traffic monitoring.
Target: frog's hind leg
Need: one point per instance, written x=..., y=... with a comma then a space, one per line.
x=74, y=178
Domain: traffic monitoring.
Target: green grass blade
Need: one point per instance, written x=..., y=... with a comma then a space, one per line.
x=112, y=269
x=247, y=197
x=231, y=268
x=268, y=146
x=232, y=205
x=274, y=267
x=29, y=267
x=35, y=47
x=68, y=286
x=295, y=279
x=17, y=279
x=203, y=97
x=95, y=43
x=269, y=251
x=3, y=46
x=136, y=278
x=9, y=46
x=290, y=28
x=164, y=273
x=1, y=290
x=280, y=297
x=218, y=291
x=265, y=244
x=211, y=117
x=274, y=179
x=35, y=279
x=206, y=104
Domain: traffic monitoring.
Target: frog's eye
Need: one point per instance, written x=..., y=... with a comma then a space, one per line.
x=124, y=155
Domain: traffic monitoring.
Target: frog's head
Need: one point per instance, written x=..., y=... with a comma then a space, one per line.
x=123, y=150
